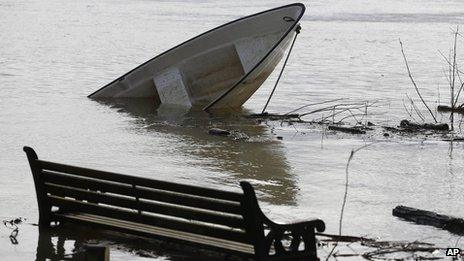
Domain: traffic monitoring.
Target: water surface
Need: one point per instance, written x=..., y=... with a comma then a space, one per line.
x=54, y=53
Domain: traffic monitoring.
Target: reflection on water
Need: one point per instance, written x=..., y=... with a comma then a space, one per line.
x=47, y=250
x=259, y=159
x=68, y=243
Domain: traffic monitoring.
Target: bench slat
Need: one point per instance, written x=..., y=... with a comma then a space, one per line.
x=68, y=205
x=132, y=203
x=158, y=231
x=158, y=195
x=157, y=184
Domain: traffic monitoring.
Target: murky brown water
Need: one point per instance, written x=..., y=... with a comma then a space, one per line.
x=54, y=53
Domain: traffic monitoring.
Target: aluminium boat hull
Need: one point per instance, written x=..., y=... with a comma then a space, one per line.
x=218, y=69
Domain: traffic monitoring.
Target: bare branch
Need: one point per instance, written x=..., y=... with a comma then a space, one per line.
x=413, y=105
x=312, y=104
x=415, y=85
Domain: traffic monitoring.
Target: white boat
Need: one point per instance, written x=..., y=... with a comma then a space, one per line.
x=221, y=68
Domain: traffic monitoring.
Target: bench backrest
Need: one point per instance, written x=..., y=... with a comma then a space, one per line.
x=205, y=211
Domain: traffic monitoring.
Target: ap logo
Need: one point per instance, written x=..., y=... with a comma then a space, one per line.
x=453, y=251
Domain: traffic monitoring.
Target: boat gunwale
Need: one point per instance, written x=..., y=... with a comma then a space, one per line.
x=207, y=32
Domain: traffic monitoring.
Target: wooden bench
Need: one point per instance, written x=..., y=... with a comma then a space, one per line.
x=227, y=221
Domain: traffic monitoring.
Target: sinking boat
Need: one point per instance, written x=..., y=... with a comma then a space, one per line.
x=218, y=69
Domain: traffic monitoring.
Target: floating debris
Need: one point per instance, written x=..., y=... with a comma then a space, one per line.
x=374, y=249
x=352, y=130
x=13, y=225
x=443, y=108
x=274, y=116
x=235, y=135
x=218, y=132
x=454, y=139
x=405, y=124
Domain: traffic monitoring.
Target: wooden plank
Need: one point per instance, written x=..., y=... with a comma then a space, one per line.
x=87, y=183
x=191, y=227
x=157, y=184
x=147, y=230
x=156, y=230
x=191, y=201
x=132, y=203
x=146, y=193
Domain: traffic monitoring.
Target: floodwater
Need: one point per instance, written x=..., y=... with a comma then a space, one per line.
x=54, y=53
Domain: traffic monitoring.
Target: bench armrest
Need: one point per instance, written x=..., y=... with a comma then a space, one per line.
x=269, y=236
x=294, y=233
x=317, y=224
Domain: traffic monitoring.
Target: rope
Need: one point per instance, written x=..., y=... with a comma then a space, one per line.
x=297, y=30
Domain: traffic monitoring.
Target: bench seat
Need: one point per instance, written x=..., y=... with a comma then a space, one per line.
x=147, y=230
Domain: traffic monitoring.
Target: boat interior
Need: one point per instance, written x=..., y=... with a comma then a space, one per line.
x=201, y=69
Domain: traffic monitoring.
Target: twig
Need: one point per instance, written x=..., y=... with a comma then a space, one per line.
x=345, y=196
x=413, y=106
x=409, y=112
x=414, y=83
x=447, y=60
x=360, y=114
x=312, y=104
x=345, y=238
x=346, y=182
x=340, y=108
x=453, y=102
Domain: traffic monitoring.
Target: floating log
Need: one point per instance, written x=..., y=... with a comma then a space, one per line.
x=443, y=108
x=424, y=217
x=454, y=139
x=352, y=130
x=426, y=126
